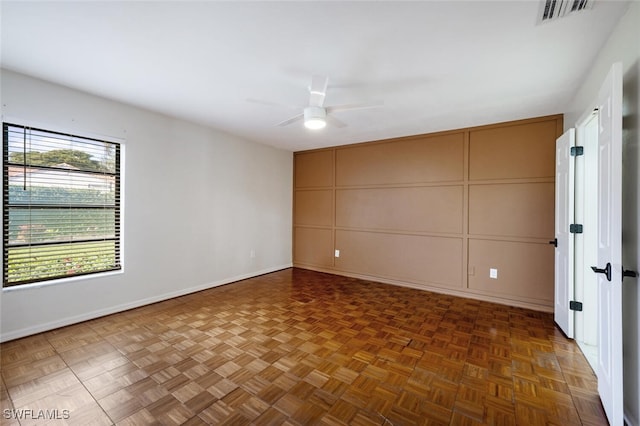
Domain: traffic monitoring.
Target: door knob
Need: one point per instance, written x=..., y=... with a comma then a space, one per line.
x=606, y=270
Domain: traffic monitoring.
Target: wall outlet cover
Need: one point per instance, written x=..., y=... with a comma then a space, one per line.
x=493, y=273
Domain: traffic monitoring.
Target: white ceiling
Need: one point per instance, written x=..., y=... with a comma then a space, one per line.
x=437, y=65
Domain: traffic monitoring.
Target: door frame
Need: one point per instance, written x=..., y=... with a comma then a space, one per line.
x=586, y=168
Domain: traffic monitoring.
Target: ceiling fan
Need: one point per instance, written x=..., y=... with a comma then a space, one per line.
x=316, y=115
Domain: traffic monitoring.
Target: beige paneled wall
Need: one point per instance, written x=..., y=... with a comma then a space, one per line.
x=314, y=169
x=512, y=209
x=435, y=211
x=314, y=207
x=411, y=258
x=416, y=160
x=513, y=151
x=414, y=209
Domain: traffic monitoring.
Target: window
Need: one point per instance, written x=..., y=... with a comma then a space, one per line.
x=61, y=205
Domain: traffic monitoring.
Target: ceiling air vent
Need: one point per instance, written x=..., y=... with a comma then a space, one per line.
x=551, y=10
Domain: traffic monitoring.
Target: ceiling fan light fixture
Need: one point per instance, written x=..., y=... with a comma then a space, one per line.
x=315, y=118
x=315, y=124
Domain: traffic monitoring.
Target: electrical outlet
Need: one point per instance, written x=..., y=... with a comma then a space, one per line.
x=493, y=273
x=337, y=254
x=252, y=254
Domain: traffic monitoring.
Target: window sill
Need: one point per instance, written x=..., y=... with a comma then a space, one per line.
x=33, y=286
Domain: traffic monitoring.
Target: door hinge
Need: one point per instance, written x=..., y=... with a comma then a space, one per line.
x=575, y=228
x=577, y=150
x=575, y=306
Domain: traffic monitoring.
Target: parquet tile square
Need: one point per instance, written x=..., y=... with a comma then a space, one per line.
x=17, y=373
x=88, y=415
x=74, y=398
x=271, y=417
x=139, y=418
x=298, y=347
x=26, y=350
x=119, y=405
x=41, y=387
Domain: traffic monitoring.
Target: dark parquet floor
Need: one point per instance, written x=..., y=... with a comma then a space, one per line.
x=297, y=347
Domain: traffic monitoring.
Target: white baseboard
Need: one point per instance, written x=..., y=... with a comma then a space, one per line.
x=28, y=331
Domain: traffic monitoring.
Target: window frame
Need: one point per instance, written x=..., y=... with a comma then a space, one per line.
x=117, y=174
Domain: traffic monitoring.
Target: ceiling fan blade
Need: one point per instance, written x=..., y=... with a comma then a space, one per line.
x=274, y=104
x=335, y=122
x=346, y=107
x=318, y=90
x=291, y=120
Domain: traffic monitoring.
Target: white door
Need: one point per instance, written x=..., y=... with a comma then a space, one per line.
x=609, y=237
x=565, y=177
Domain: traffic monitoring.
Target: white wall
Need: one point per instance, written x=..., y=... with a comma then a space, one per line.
x=624, y=46
x=196, y=202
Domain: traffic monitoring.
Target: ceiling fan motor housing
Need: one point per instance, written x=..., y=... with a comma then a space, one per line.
x=314, y=117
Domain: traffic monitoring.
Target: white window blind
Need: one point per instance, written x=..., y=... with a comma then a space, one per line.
x=61, y=205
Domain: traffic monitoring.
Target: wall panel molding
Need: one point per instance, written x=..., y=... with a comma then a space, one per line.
x=435, y=211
